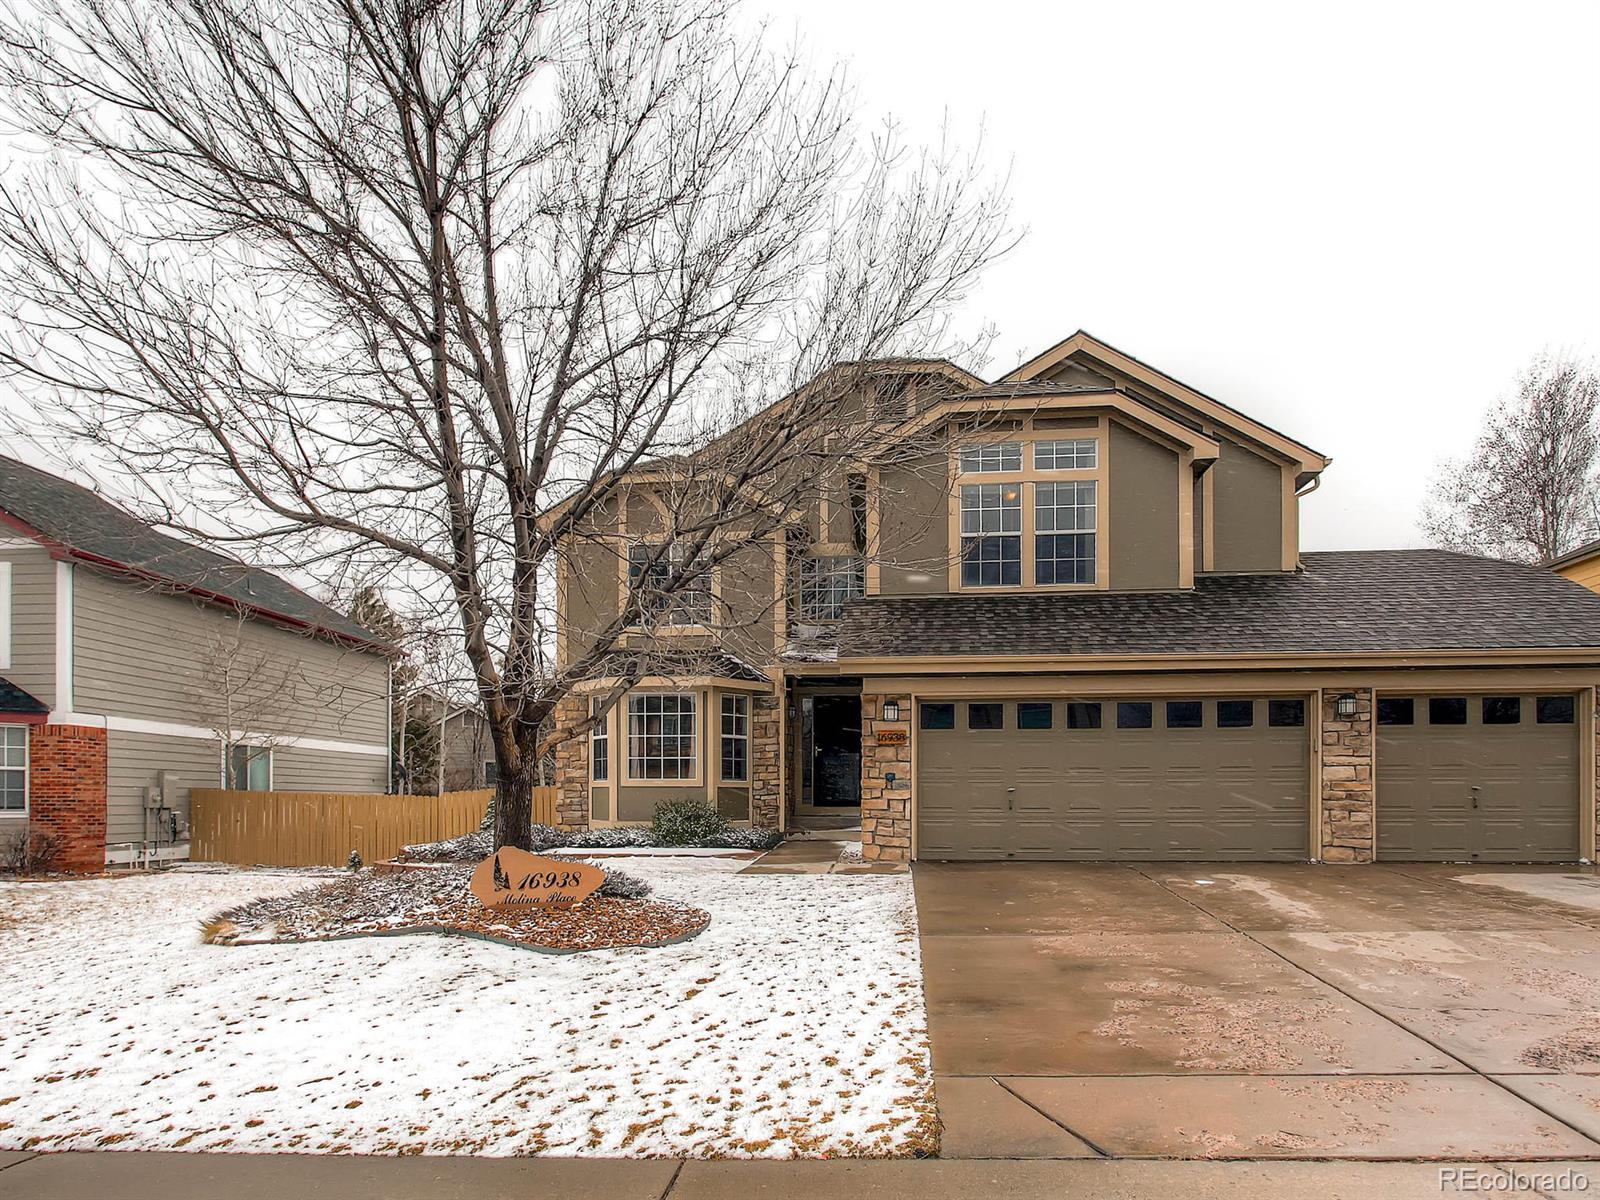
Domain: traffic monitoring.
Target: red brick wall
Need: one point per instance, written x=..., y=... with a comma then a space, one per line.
x=67, y=792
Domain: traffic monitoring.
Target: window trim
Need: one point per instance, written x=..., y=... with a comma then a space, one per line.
x=697, y=755
x=724, y=737
x=712, y=575
x=1027, y=477
x=20, y=814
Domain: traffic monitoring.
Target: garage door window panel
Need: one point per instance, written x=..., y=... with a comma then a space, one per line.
x=1554, y=710
x=1397, y=710
x=1035, y=715
x=991, y=534
x=1083, y=715
x=1185, y=714
x=1134, y=714
x=1236, y=714
x=938, y=716
x=1447, y=710
x=1502, y=710
x=986, y=716
x=1283, y=714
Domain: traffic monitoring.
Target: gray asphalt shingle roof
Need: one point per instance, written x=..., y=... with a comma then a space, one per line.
x=1342, y=601
x=95, y=529
x=14, y=700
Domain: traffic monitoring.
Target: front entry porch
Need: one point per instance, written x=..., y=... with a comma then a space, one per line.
x=825, y=754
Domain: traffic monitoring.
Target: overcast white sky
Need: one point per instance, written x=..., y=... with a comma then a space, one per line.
x=1355, y=222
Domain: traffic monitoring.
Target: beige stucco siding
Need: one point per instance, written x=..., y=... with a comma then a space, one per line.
x=1247, y=523
x=1142, y=512
x=912, y=549
x=151, y=655
x=33, y=622
x=133, y=761
x=745, y=584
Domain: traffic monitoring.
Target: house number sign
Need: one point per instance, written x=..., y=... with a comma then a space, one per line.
x=511, y=878
x=892, y=737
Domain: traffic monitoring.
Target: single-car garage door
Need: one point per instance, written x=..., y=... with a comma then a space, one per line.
x=1173, y=778
x=1477, y=778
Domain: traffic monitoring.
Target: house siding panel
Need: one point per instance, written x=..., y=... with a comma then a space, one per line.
x=1143, y=513
x=140, y=653
x=913, y=526
x=33, y=622
x=1247, y=523
x=133, y=762
x=299, y=769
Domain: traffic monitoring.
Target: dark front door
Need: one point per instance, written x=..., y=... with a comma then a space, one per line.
x=838, y=741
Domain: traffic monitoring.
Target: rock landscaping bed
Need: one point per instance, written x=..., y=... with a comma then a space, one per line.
x=392, y=900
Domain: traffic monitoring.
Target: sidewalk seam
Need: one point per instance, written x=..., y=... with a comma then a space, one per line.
x=30, y=1157
x=673, y=1182
x=1056, y=1121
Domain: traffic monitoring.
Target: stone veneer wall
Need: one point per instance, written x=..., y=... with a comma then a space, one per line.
x=766, y=759
x=885, y=810
x=67, y=792
x=1347, y=760
x=572, y=766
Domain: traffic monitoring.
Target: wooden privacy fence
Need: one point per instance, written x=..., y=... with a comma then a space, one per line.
x=319, y=829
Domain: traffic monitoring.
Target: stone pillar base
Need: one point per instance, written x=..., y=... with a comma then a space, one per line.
x=885, y=807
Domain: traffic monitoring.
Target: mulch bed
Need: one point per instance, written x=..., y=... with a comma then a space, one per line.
x=388, y=902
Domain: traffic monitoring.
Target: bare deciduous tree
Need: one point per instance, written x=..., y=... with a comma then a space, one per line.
x=1527, y=490
x=389, y=281
x=243, y=692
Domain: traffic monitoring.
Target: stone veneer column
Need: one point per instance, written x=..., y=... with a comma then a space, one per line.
x=67, y=792
x=572, y=766
x=1347, y=747
x=766, y=759
x=885, y=809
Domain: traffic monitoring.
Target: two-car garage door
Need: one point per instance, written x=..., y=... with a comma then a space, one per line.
x=1170, y=778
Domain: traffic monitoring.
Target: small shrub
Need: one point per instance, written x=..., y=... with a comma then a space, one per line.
x=619, y=885
x=618, y=837
x=28, y=852
x=686, y=823
x=747, y=839
x=354, y=861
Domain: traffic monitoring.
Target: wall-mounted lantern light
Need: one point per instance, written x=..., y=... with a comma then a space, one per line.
x=891, y=710
x=1344, y=706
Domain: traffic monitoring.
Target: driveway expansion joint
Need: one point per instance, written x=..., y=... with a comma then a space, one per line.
x=1054, y=1120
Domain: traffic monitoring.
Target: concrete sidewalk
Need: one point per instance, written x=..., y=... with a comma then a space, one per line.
x=132, y=1175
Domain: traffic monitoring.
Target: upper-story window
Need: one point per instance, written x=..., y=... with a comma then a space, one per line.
x=1075, y=454
x=649, y=570
x=1064, y=520
x=827, y=581
x=990, y=457
x=991, y=534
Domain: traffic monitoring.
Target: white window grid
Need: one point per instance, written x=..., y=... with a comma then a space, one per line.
x=1065, y=516
x=13, y=769
x=1071, y=454
x=736, y=738
x=989, y=457
x=827, y=582
x=690, y=605
x=662, y=741
x=600, y=744
x=1064, y=507
x=991, y=529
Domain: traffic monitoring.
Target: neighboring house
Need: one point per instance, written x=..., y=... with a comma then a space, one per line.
x=468, y=758
x=134, y=666
x=1066, y=616
x=1581, y=565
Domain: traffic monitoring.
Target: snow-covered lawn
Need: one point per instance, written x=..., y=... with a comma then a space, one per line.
x=793, y=1026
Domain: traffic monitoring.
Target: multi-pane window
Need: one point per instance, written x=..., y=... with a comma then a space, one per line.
x=1064, y=522
x=599, y=744
x=991, y=456
x=735, y=738
x=249, y=768
x=827, y=581
x=991, y=534
x=661, y=735
x=13, y=768
x=1075, y=454
x=651, y=568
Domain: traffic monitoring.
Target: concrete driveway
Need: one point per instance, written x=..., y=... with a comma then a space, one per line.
x=1255, y=1011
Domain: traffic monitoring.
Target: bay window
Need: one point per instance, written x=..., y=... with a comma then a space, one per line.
x=662, y=735
x=736, y=738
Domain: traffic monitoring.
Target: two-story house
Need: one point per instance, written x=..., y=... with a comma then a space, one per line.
x=1065, y=615
x=134, y=667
